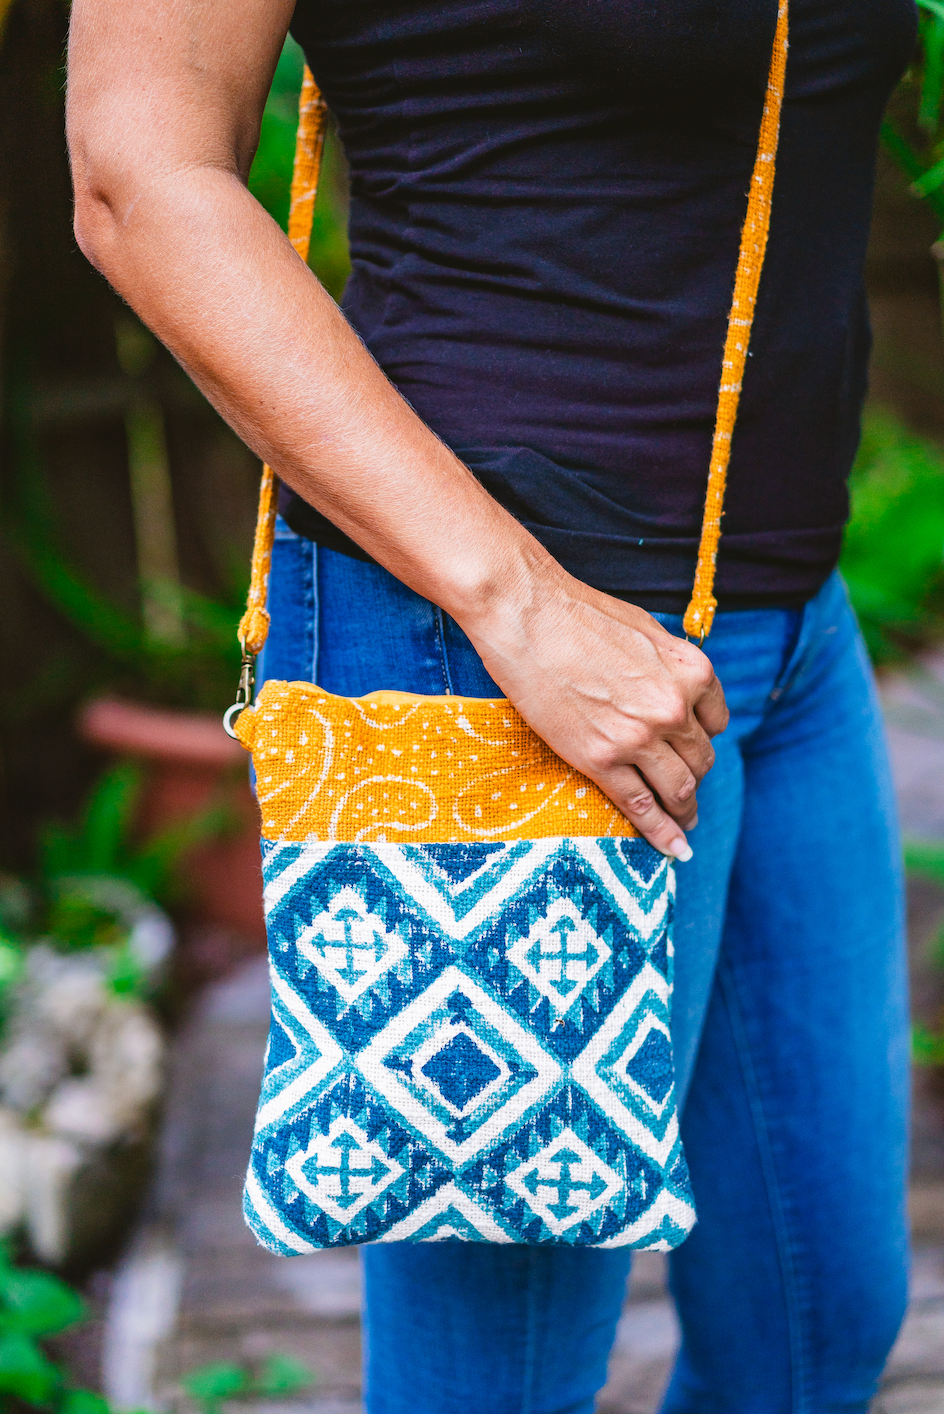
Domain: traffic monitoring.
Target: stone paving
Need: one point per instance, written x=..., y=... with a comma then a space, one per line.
x=194, y=1287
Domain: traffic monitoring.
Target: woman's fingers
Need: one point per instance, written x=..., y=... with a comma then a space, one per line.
x=703, y=689
x=667, y=775
x=711, y=708
x=634, y=797
x=692, y=745
x=656, y=793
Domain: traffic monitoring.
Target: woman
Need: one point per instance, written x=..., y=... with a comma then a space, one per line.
x=498, y=486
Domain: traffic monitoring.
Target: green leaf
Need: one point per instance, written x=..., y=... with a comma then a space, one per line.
x=219, y=1380
x=83, y=1401
x=929, y=106
x=911, y=163
x=97, y=844
x=930, y=181
x=927, y=1047
x=11, y=961
x=24, y=1369
x=283, y=1374
x=199, y=672
x=37, y=1303
x=127, y=976
x=108, y=816
x=898, y=147
x=925, y=858
x=76, y=599
x=101, y=848
x=154, y=867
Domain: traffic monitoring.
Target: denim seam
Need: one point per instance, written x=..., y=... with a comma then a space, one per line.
x=795, y=655
x=443, y=652
x=804, y=647
x=798, y=1401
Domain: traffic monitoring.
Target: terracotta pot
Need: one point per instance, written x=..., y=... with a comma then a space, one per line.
x=191, y=763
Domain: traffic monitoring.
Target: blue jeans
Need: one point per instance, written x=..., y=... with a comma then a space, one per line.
x=790, y=1030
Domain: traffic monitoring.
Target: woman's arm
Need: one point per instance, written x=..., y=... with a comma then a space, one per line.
x=165, y=103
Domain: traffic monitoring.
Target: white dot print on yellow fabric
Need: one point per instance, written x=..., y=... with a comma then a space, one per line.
x=314, y=783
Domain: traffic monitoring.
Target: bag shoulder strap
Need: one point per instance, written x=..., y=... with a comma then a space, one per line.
x=309, y=145
x=700, y=613
x=312, y=112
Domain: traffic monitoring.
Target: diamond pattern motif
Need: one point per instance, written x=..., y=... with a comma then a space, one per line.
x=650, y=1065
x=396, y=1065
x=469, y=1042
x=461, y=1070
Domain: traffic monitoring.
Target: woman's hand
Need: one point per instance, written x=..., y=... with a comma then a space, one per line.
x=612, y=692
x=165, y=103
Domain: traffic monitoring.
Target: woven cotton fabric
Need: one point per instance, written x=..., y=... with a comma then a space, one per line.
x=469, y=1041
x=398, y=766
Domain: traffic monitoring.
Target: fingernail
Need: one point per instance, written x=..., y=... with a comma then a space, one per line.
x=682, y=850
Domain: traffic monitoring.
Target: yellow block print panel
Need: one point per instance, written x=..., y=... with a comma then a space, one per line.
x=396, y=767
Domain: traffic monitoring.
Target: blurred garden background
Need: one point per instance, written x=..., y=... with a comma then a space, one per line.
x=132, y=1004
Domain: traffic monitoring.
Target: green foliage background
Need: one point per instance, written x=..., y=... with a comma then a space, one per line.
x=893, y=553
x=913, y=130
x=35, y=1305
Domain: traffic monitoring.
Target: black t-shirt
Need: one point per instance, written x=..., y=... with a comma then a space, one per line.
x=547, y=198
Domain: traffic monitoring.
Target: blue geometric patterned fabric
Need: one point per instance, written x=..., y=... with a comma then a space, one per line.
x=469, y=1041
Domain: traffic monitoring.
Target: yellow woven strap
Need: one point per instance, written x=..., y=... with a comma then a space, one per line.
x=309, y=145
x=701, y=610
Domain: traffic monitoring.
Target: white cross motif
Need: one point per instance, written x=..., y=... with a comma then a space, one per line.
x=565, y=1183
x=560, y=954
x=342, y=1170
x=349, y=945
